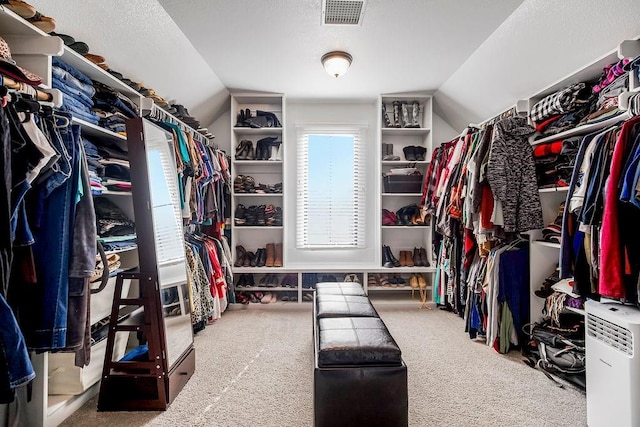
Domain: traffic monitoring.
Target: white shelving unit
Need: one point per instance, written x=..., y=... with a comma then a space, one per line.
x=267, y=172
x=33, y=49
x=544, y=256
x=404, y=238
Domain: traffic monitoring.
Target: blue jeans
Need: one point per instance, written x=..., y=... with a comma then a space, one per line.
x=47, y=320
x=70, y=81
x=71, y=70
x=74, y=93
x=14, y=347
x=81, y=112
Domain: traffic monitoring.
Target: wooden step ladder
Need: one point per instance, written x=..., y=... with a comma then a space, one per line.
x=141, y=384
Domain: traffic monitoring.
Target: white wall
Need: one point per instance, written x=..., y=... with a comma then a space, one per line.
x=221, y=128
x=331, y=112
x=540, y=43
x=442, y=131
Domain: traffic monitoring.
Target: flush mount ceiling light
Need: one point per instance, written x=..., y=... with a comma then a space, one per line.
x=336, y=63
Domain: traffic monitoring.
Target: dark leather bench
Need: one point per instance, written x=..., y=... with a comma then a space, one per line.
x=339, y=288
x=360, y=378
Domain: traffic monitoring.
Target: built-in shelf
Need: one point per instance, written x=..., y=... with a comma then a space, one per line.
x=257, y=162
x=581, y=130
x=116, y=238
x=173, y=304
x=401, y=227
x=265, y=289
x=404, y=287
x=114, y=193
x=261, y=270
x=257, y=195
x=548, y=244
x=257, y=131
x=96, y=73
x=119, y=251
x=402, y=194
x=402, y=270
x=554, y=190
x=404, y=162
x=405, y=131
x=91, y=130
x=259, y=227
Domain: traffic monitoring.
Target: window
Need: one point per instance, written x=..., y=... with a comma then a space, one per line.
x=331, y=190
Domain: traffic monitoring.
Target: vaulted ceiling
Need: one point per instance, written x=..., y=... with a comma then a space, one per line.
x=477, y=56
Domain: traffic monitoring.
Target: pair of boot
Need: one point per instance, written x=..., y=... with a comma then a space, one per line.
x=411, y=215
x=271, y=256
x=406, y=260
x=405, y=115
x=413, y=153
x=387, y=152
x=388, y=260
x=269, y=148
x=245, y=281
x=262, y=119
x=420, y=257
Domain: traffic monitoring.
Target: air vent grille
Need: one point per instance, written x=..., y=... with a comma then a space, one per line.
x=342, y=12
x=611, y=334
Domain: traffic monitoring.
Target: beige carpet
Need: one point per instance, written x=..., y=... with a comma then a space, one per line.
x=254, y=368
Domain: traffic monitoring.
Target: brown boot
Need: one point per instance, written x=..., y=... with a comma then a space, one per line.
x=278, y=260
x=403, y=258
x=417, y=259
x=409, y=259
x=423, y=255
x=271, y=255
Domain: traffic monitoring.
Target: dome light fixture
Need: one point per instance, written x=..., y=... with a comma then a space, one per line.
x=336, y=63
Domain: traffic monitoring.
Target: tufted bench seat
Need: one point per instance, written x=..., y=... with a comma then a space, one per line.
x=359, y=375
x=339, y=288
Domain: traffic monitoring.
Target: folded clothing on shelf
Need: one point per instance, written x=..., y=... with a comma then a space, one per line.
x=112, y=221
x=554, y=162
x=553, y=232
x=77, y=90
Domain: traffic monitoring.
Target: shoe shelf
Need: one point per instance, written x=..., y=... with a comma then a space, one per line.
x=262, y=270
x=403, y=227
x=404, y=162
x=402, y=194
x=405, y=131
x=402, y=270
x=257, y=131
x=404, y=287
x=258, y=194
x=258, y=162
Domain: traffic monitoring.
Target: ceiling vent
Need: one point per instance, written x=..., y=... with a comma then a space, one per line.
x=342, y=12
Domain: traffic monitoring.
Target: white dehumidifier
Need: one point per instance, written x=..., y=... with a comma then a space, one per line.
x=613, y=364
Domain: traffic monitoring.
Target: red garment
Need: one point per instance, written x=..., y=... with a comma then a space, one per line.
x=611, y=282
x=486, y=207
x=540, y=127
x=548, y=149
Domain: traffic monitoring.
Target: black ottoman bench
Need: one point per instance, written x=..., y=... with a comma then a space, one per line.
x=360, y=378
x=339, y=288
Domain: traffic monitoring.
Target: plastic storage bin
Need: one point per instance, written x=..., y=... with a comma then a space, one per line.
x=402, y=183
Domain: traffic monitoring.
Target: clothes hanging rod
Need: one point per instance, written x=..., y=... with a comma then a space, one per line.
x=24, y=88
x=160, y=113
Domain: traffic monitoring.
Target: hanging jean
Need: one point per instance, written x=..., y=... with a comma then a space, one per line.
x=5, y=202
x=46, y=321
x=14, y=348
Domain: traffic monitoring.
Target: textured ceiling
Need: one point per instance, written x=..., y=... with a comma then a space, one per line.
x=276, y=45
x=142, y=42
x=478, y=56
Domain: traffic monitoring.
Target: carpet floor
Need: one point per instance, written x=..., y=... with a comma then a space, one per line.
x=254, y=368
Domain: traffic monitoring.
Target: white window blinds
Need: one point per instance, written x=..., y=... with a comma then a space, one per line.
x=331, y=187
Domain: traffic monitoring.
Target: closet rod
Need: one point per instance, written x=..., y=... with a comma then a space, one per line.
x=161, y=114
x=24, y=88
